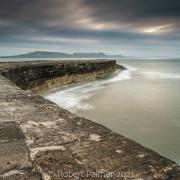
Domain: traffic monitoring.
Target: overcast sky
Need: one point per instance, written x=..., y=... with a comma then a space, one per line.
x=127, y=27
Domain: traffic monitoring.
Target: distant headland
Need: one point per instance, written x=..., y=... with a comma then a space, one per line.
x=49, y=54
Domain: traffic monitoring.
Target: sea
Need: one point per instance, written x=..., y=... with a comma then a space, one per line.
x=141, y=103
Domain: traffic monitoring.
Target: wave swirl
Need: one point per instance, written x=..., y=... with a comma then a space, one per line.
x=75, y=98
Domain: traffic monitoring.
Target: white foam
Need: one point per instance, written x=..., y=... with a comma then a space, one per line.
x=75, y=98
x=160, y=75
x=130, y=68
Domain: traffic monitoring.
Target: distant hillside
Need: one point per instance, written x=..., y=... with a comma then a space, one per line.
x=47, y=54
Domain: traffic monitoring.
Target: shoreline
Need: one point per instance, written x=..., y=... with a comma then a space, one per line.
x=51, y=139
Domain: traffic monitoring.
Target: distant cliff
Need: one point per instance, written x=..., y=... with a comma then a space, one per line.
x=47, y=54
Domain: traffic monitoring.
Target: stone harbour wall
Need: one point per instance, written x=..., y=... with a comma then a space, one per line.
x=39, y=76
x=42, y=141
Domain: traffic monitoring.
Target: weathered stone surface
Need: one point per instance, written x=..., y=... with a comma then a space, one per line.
x=21, y=175
x=39, y=140
x=35, y=75
x=13, y=150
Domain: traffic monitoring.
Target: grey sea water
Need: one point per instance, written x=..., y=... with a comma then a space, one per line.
x=141, y=103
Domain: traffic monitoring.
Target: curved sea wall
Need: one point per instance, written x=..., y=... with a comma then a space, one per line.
x=39, y=140
x=41, y=77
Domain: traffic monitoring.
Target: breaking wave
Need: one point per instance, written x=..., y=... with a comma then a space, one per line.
x=160, y=75
x=75, y=98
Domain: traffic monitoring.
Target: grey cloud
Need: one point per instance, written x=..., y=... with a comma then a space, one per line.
x=136, y=12
x=63, y=12
x=119, y=22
